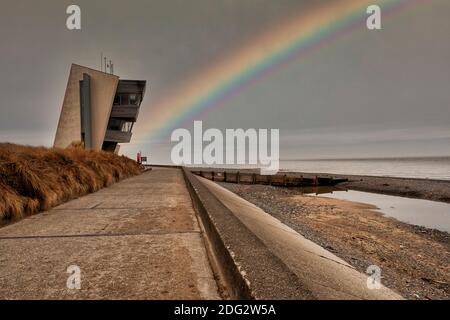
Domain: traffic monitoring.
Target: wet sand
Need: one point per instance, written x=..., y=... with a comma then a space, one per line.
x=415, y=261
x=427, y=189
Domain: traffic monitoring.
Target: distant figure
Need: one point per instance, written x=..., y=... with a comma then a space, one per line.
x=139, y=157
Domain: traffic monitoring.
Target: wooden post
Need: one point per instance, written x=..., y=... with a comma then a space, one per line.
x=212, y=176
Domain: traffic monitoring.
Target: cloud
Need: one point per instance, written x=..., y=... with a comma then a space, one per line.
x=360, y=135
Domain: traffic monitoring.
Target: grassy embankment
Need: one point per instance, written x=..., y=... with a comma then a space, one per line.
x=34, y=179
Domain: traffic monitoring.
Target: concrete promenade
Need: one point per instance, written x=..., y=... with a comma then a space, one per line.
x=138, y=239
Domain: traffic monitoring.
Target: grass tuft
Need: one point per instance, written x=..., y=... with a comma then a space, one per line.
x=34, y=179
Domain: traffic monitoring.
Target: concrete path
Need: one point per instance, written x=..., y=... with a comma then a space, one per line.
x=138, y=239
x=324, y=274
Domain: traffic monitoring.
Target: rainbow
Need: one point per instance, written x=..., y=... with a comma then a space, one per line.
x=266, y=53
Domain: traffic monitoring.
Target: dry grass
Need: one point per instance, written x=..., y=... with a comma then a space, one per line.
x=34, y=179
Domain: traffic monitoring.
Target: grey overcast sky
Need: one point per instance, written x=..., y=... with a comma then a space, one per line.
x=367, y=94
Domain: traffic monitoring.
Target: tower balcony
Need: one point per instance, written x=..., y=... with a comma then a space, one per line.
x=118, y=136
x=125, y=112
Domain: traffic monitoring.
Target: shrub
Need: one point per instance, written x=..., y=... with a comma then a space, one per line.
x=33, y=179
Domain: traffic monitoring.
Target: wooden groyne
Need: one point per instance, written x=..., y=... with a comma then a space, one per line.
x=283, y=180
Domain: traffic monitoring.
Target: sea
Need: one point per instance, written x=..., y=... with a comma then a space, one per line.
x=424, y=167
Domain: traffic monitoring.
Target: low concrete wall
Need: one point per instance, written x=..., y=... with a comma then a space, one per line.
x=245, y=266
x=247, y=176
x=325, y=275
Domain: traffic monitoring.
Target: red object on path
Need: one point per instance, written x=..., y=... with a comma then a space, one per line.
x=139, y=157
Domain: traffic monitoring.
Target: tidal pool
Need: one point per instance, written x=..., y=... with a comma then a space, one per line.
x=430, y=214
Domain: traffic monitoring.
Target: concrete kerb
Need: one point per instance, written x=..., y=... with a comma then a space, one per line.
x=244, y=265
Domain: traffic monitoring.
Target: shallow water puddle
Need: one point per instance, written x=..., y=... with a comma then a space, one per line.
x=430, y=214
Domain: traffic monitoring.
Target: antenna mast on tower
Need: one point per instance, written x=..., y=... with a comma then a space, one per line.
x=104, y=65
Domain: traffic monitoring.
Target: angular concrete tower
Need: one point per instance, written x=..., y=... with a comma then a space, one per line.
x=99, y=109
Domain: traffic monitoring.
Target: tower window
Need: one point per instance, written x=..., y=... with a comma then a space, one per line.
x=133, y=99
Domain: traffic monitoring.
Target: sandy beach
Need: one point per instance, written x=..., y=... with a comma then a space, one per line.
x=414, y=260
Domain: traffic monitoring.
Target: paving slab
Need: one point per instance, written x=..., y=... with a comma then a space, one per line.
x=138, y=239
